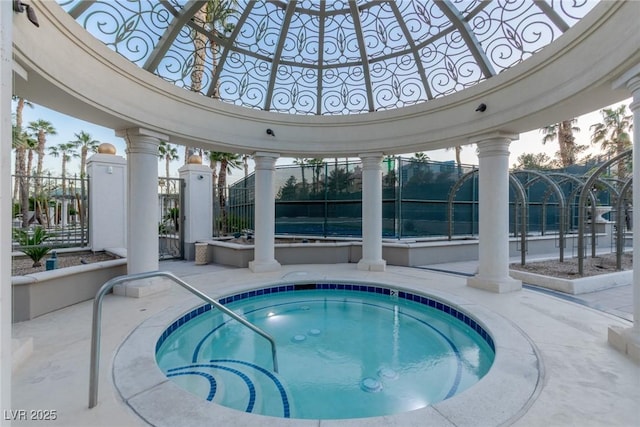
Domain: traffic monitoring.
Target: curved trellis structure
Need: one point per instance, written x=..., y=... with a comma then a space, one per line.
x=625, y=195
x=582, y=205
x=564, y=177
x=522, y=202
x=552, y=187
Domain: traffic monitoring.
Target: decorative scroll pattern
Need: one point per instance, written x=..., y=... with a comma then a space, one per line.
x=573, y=11
x=340, y=44
x=450, y=67
x=128, y=27
x=320, y=69
x=424, y=20
x=381, y=31
x=396, y=82
x=512, y=31
x=295, y=90
x=344, y=91
x=302, y=41
x=243, y=80
x=260, y=33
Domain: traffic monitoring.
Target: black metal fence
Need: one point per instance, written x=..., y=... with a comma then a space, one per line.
x=57, y=204
x=170, y=218
x=323, y=198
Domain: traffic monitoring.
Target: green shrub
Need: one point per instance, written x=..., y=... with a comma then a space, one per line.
x=32, y=243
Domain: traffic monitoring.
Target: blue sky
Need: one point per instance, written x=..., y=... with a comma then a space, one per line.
x=530, y=142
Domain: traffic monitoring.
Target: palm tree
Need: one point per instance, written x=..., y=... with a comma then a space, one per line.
x=85, y=143
x=169, y=153
x=19, y=143
x=213, y=17
x=563, y=133
x=42, y=129
x=458, y=150
x=31, y=145
x=20, y=150
x=227, y=161
x=302, y=162
x=420, y=157
x=245, y=165
x=66, y=151
x=317, y=164
x=613, y=134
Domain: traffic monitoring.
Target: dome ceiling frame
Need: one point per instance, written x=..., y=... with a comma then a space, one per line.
x=385, y=63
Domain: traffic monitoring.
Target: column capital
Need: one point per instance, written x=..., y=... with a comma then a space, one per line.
x=629, y=80
x=493, y=148
x=494, y=136
x=371, y=160
x=265, y=160
x=139, y=132
x=141, y=141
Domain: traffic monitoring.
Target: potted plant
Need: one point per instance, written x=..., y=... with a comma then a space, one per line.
x=31, y=243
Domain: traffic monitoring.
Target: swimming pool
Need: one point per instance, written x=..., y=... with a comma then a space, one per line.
x=345, y=351
x=500, y=397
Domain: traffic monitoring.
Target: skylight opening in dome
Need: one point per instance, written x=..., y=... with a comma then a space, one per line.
x=326, y=57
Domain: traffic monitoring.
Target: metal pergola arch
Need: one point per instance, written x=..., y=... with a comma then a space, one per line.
x=552, y=187
x=582, y=205
x=520, y=193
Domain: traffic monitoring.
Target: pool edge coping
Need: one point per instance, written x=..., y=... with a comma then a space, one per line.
x=502, y=396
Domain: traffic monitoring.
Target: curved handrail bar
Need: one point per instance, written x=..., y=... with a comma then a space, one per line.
x=97, y=317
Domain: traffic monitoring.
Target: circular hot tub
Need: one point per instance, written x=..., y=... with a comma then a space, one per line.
x=344, y=351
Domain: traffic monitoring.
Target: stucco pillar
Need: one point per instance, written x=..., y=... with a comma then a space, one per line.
x=6, y=37
x=493, y=192
x=107, y=199
x=198, y=204
x=627, y=340
x=372, y=213
x=142, y=196
x=265, y=214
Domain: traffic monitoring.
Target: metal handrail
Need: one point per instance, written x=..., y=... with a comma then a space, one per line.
x=97, y=314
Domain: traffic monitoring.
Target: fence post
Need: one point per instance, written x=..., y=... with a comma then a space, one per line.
x=107, y=174
x=198, y=205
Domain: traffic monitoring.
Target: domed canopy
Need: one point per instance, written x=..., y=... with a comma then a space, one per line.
x=326, y=57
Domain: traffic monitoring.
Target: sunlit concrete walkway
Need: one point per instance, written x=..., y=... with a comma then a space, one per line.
x=584, y=381
x=616, y=300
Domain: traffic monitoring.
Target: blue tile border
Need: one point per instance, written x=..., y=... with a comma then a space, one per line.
x=420, y=299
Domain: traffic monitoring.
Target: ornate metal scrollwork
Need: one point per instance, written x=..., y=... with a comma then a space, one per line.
x=333, y=57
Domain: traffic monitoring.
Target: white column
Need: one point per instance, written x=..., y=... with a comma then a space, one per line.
x=493, y=195
x=198, y=204
x=142, y=200
x=264, y=214
x=6, y=37
x=107, y=200
x=627, y=340
x=372, y=213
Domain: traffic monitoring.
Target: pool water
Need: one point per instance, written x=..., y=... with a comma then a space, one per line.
x=341, y=354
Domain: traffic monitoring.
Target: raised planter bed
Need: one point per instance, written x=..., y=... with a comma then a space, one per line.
x=43, y=292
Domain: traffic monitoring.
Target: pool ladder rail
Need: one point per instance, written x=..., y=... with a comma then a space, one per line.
x=97, y=319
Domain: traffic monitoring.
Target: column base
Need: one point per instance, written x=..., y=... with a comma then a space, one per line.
x=494, y=284
x=264, y=266
x=626, y=341
x=372, y=265
x=141, y=288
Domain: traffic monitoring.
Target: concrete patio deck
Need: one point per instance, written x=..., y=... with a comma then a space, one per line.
x=585, y=381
